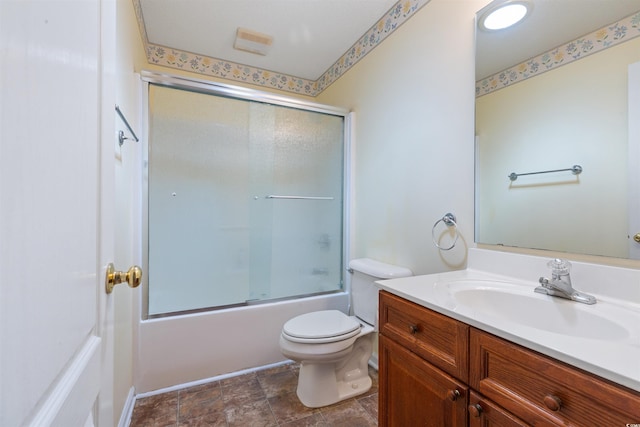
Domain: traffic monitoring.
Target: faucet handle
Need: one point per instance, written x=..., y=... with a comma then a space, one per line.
x=559, y=266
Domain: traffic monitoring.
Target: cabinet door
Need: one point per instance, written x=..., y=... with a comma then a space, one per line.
x=484, y=413
x=415, y=393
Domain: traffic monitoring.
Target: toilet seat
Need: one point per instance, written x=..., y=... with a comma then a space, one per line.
x=321, y=327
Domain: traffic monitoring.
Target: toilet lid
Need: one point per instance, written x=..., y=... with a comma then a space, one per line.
x=321, y=324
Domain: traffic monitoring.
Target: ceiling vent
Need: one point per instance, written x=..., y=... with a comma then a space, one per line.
x=252, y=41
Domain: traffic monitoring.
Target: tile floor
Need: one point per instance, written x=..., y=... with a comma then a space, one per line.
x=258, y=399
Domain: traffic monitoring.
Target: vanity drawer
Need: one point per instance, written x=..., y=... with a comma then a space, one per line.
x=543, y=391
x=442, y=341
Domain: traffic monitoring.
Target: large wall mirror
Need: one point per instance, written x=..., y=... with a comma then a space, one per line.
x=553, y=92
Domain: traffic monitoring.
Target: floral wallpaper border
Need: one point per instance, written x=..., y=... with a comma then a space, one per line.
x=188, y=61
x=611, y=35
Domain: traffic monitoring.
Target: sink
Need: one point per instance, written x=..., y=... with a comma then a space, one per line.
x=519, y=304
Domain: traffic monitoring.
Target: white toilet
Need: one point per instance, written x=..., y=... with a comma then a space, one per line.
x=333, y=349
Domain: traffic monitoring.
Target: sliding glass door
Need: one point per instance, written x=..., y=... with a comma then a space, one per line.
x=245, y=201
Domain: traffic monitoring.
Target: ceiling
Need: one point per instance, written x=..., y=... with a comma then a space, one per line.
x=550, y=24
x=308, y=35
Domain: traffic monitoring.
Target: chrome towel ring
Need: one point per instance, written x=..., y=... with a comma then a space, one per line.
x=449, y=220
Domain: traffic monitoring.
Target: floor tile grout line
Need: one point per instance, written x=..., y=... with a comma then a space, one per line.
x=271, y=410
x=178, y=409
x=224, y=405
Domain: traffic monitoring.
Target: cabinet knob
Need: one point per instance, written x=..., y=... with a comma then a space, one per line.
x=552, y=402
x=475, y=410
x=413, y=329
x=453, y=394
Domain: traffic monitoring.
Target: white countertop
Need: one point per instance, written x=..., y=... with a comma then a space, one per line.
x=615, y=359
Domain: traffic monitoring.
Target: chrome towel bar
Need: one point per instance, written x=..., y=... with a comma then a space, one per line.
x=121, y=137
x=575, y=169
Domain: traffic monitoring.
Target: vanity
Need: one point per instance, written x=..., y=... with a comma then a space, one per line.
x=482, y=346
x=477, y=348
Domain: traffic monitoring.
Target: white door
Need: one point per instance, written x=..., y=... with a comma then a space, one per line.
x=634, y=160
x=56, y=191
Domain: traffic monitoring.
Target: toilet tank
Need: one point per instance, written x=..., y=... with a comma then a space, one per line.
x=364, y=292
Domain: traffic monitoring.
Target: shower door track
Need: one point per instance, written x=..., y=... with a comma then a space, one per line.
x=242, y=304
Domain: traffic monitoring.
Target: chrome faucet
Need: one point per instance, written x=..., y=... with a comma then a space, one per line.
x=560, y=283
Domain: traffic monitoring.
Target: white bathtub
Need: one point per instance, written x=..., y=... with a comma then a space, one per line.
x=176, y=350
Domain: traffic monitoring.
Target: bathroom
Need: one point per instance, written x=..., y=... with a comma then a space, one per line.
x=404, y=212
x=413, y=161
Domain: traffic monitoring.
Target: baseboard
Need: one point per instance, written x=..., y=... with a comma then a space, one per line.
x=127, y=411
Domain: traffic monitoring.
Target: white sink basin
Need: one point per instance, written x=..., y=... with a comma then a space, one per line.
x=519, y=304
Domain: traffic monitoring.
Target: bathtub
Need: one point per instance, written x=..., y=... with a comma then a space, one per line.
x=176, y=350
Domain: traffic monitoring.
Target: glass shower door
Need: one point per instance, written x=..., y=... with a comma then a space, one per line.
x=244, y=201
x=297, y=205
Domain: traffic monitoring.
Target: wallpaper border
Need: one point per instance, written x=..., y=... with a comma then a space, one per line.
x=604, y=38
x=208, y=66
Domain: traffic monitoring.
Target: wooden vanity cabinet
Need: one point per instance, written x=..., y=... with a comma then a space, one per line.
x=437, y=371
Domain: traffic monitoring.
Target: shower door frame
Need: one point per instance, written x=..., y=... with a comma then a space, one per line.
x=240, y=93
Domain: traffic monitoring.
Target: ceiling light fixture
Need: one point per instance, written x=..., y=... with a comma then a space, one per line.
x=252, y=41
x=504, y=14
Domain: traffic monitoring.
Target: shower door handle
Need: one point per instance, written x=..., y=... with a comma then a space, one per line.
x=132, y=277
x=273, y=196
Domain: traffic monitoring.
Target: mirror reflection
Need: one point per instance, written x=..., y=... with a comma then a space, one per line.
x=552, y=93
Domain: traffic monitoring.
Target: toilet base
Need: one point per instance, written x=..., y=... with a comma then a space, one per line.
x=318, y=385
x=323, y=384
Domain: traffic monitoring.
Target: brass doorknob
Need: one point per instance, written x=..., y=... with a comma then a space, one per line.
x=131, y=277
x=636, y=237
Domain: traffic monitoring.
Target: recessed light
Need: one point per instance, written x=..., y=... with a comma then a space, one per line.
x=504, y=14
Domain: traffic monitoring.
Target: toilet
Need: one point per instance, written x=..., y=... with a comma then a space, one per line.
x=333, y=349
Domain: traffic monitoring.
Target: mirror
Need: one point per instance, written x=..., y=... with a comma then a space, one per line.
x=551, y=94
